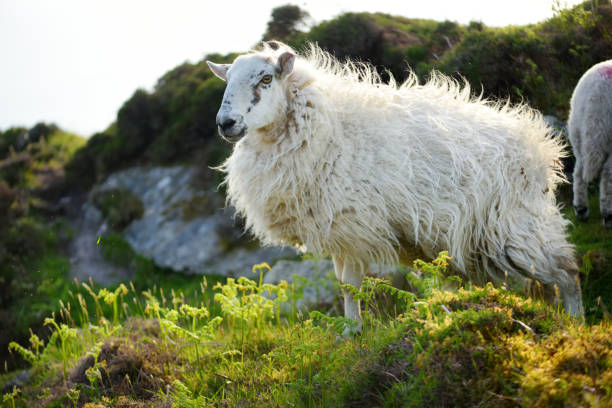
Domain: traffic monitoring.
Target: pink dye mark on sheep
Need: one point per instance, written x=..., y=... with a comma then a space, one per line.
x=606, y=71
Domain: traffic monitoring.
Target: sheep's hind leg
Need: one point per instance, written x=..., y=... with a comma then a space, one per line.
x=351, y=273
x=605, y=193
x=338, y=267
x=580, y=186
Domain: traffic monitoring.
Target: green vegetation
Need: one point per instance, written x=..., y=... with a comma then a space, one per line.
x=594, y=251
x=168, y=339
x=33, y=268
x=174, y=123
x=538, y=64
x=284, y=22
x=33, y=159
x=483, y=346
x=118, y=206
x=147, y=275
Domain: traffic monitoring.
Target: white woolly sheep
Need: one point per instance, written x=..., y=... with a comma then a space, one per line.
x=330, y=158
x=590, y=132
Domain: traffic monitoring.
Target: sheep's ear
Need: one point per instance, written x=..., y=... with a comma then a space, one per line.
x=219, y=70
x=284, y=65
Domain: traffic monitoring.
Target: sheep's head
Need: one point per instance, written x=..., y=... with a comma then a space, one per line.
x=255, y=96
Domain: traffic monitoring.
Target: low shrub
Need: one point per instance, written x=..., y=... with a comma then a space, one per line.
x=118, y=206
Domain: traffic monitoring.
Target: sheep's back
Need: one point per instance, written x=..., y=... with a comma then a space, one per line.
x=448, y=171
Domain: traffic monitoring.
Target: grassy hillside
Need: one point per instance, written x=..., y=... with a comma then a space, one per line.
x=476, y=347
x=33, y=267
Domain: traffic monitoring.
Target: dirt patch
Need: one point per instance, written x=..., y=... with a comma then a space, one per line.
x=392, y=366
x=130, y=370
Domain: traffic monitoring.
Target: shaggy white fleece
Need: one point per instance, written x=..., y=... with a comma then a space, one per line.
x=367, y=171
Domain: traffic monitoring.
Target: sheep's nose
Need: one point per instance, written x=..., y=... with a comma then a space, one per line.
x=227, y=124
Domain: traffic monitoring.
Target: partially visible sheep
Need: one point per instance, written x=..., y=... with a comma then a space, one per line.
x=590, y=132
x=330, y=158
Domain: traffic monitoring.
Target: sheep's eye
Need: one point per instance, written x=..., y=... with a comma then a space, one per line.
x=266, y=79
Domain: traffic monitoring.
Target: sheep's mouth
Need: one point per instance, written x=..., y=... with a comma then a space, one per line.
x=232, y=135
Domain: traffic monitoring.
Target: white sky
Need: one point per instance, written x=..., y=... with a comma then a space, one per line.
x=74, y=62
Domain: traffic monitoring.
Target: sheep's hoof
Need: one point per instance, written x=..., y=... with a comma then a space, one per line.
x=607, y=221
x=582, y=213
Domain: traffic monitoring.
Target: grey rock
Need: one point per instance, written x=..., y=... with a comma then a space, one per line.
x=241, y=261
x=394, y=274
x=314, y=280
x=183, y=227
x=86, y=259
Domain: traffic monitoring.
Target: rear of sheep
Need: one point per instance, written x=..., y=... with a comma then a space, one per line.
x=590, y=132
x=331, y=159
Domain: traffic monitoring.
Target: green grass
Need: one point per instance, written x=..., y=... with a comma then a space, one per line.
x=35, y=277
x=594, y=251
x=217, y=342
x=591, y=234
x=33, y=267
x=118, y=206
x=478, y=347
x=42, y=292
x=148, y=276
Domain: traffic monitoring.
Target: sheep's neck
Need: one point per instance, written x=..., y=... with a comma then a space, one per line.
x=277, y=132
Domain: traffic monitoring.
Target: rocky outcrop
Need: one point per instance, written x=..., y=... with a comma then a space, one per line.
x=86, y=259
x=184, y=226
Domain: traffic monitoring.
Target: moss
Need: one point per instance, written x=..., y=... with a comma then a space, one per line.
x=473, y=348
x=572, y=368
x=118, y=206
x=198, y=205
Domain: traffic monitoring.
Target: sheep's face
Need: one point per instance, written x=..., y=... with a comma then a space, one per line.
x=255, y=96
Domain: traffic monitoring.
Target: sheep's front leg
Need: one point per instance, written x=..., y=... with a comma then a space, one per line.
x=351, y=273
x=605, y=193
x=581, y=203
